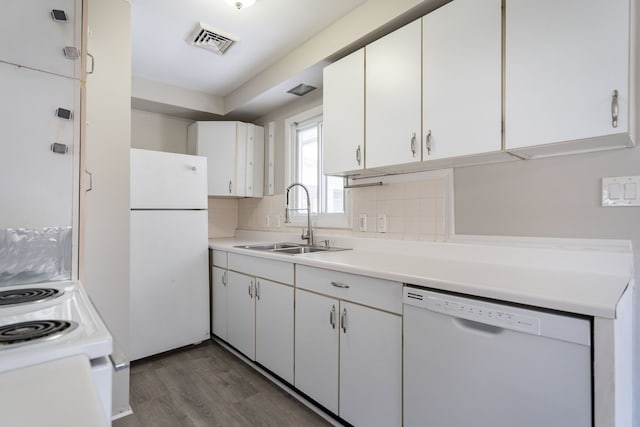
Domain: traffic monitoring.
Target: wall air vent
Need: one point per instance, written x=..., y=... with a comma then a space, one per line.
x=210, y=39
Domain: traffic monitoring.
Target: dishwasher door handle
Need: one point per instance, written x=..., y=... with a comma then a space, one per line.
x=478, y=327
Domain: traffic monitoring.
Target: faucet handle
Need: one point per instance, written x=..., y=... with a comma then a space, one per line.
x=326, y=243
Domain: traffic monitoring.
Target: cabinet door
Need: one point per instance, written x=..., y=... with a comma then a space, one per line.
x=316, y=348
x=37, y=188
x=219, y=303
x=393, y=98
x=564, y=59
x=106, y=147
x=38, y=40
x=343, y=115
x=241, y=317
x=462, y=79
x=274, y=327
x=254, y=170
x=217, y=142
x=370, y=366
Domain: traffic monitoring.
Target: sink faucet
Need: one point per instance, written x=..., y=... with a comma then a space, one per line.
x=308, y=236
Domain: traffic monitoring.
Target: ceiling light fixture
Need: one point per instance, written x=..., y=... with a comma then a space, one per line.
x=301, y=90
x=241, y=4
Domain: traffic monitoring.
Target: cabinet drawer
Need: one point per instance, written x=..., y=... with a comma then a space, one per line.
x=378, y=293
x=219, y=258
x=278, y=271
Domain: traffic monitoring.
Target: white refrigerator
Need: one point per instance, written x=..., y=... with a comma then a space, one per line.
x=169, y=288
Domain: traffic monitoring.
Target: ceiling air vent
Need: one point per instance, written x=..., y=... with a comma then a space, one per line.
x=212, y=40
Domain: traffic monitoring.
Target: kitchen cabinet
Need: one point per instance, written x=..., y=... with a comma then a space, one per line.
x=348, y=345
x=462, y=79
x=567, y=76
x=51, y=41
x=235, y=156
x=253, y=303
x=241, y=321
x=105, y=196
x=42, y=180
x=393, y=98
x=219, y=295
x=343, y=115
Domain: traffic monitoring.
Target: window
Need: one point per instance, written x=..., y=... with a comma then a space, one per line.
x=326, y=193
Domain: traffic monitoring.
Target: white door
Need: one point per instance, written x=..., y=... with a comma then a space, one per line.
x=169, y=280
x=370, y=366
x=241, y=315
x=462, y=79
x=217, y=142
x=38, y=40
x=343, y=115
x=274, y=327
x=564, y=59
x=316, y=348
x=219, y=303
x=40, y=179
x=393, y=97
x=162, y=180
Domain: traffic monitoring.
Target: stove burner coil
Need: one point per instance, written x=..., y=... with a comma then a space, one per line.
x=28, y=295
x=19, y=333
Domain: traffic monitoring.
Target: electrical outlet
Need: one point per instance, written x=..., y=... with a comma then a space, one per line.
x=363, y=222
x=382, y=223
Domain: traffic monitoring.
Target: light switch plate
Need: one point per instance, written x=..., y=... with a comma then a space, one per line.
x=382, y=223
x=621, y=191
x=363, y=222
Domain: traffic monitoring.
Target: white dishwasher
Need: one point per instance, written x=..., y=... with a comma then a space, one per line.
x=469, y=362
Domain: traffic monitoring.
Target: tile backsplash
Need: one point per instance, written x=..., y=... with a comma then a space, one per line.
x=415, y=209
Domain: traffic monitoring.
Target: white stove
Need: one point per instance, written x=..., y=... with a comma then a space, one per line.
x=49, y=321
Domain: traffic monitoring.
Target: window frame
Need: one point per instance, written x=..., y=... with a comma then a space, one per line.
x=299, y=218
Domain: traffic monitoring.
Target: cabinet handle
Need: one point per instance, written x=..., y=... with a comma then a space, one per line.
x=229, y=186
x=428, y=143
x=358, y=155
x=340, y=285
x=413, y=144
x=332, y=317
x=90, y=180
x=343, y=320
x=224, y=278
x=614, y=108
x=251, y=289
x=93, y=63
x=257, y=289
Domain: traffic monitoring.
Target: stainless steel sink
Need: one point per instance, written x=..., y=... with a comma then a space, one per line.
x=290, y=248
x=269, y=246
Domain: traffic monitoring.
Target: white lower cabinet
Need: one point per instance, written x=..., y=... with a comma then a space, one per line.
x=241, y=319
x=348, y=357
x=274, y=327
x=254, y=314
x=219, y=302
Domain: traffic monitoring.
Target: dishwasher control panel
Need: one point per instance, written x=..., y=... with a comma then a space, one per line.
x=496, y=316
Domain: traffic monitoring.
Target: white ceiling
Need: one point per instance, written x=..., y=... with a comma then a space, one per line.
x=266, y=31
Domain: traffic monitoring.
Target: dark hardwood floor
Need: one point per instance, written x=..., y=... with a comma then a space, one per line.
x=208, y=386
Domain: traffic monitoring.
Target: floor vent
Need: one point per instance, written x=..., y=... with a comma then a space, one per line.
x=212, y=40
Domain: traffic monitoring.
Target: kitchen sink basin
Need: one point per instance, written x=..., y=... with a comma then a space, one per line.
x=290, y=248
x=269, y=246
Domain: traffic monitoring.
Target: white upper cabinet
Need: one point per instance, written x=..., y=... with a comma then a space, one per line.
x=394, y=97
x=566, y=75
x=343, y=115
x=462, y=79
x=235, y=156
x=46, y=35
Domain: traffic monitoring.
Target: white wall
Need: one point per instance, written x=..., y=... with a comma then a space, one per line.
x=151, y=131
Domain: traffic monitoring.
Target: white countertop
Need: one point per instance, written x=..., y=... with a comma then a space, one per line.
x=550, y=275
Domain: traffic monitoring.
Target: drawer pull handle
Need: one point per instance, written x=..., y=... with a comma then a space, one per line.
x=340, y=285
